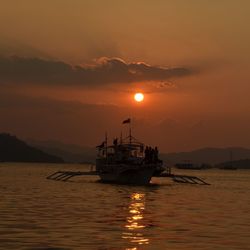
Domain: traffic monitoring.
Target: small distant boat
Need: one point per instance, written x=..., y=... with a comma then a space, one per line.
x=192, y=166
x=228, y=167
x=189, y=166
x=127, y=162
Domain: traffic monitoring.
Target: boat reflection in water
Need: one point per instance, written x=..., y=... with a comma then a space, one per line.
x=134, y=221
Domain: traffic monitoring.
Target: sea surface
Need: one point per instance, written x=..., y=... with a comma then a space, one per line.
x=39, y=214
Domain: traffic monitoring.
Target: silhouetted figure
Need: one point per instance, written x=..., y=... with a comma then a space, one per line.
x=146, y=154
x=115, y=142
x=156, y=154
x=150, y=155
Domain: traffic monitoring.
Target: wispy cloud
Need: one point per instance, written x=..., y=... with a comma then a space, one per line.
x=105, y=71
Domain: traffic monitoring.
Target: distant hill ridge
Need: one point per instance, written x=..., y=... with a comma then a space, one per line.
x=68, y=152
x=13, y=149
x=208, y=155
x=76, y=153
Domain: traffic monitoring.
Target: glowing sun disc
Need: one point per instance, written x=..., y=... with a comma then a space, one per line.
x=139, y=97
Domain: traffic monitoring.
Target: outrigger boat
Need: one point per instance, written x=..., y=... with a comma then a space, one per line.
x=127, y=162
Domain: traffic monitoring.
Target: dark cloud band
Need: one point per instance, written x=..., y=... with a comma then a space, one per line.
x=105, y=71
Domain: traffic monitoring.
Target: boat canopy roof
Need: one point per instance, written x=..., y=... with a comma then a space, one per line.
x=129, y=143
x=128, y=146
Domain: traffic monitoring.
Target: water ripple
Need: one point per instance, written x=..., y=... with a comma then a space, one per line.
x=37, y=214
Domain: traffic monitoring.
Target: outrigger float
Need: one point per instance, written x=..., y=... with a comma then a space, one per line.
x=128, y=162
x=66, y=175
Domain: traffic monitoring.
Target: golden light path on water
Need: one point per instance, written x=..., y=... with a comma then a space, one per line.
x=86, y=214
x=135, y=221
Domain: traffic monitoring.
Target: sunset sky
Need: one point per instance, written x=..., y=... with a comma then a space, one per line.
x=69, y=70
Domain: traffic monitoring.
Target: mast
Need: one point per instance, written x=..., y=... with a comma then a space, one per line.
x=121, y=138
x=106, y=144
x=231, y=158
x=130, y=134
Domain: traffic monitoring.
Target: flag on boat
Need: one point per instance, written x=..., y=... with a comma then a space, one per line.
x=126, y=121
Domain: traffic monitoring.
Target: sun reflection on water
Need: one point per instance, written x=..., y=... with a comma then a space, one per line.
x=134, y=221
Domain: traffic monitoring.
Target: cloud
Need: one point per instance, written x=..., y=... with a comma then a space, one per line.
x=105, y=71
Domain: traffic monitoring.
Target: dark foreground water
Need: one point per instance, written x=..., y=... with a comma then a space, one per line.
x=38, y=214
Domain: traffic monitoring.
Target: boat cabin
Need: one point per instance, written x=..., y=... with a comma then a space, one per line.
x=123, y=152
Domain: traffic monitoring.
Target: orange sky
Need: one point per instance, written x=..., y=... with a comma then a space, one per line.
x=191, y=58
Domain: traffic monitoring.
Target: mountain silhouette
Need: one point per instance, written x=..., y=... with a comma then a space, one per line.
x=68, y=152
x=13, y=149
x=76, y=153
x=207, y=155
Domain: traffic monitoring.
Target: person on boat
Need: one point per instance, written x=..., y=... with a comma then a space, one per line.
x=146, y=154
x=151, y=154
x=115, y=141
x=156, y=154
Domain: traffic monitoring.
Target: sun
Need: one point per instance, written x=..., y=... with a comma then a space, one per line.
x=139, y=97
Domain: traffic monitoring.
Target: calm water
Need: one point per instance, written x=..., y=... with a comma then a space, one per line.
x=36, y=213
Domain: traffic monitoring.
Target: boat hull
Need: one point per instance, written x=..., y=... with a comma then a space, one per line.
x=128, y=176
